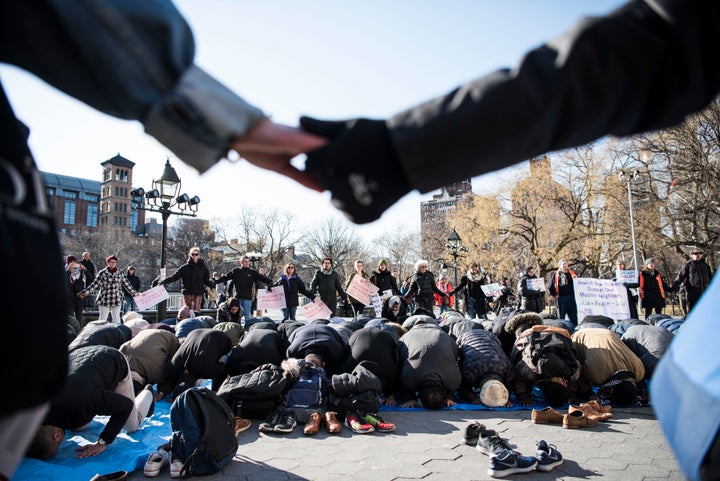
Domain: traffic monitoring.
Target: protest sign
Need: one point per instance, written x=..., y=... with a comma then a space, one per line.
x=627, y=276
x=536, y=284
x=315, y=310
x=361, y=289
x=274, y=299
x=600, y=297
x=492, y=290
x=145, y=300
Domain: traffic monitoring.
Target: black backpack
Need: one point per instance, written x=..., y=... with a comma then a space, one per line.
x=259, y=391
x=203, y=432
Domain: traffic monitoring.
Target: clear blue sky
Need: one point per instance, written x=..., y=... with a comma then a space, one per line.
x=330, y=59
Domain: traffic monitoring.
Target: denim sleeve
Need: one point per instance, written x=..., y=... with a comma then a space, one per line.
x=131, y=59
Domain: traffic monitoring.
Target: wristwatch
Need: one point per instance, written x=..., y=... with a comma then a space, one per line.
x=101, y=442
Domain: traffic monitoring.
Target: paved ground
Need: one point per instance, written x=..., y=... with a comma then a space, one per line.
x=428, y=446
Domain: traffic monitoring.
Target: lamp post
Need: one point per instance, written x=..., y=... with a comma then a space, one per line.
x=254, y=258
x=163, y=198
x=455, y=249
x=628, y=178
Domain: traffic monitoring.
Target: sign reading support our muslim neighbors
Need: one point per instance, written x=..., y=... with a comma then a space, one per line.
x=601, y=297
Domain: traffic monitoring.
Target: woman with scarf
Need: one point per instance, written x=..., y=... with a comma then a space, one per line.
x=292, y=285
x=76, y=278
x=475, y=298
x=561, y=286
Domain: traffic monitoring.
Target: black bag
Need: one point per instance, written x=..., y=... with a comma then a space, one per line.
x=203, y=432
x=259, y=390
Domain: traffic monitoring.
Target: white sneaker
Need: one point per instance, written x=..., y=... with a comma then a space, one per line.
x=155, y=462
x=175, y=468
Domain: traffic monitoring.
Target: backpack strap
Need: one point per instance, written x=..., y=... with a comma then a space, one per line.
x=197, y=395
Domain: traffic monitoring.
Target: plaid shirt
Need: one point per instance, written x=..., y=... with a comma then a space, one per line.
x=110, y=287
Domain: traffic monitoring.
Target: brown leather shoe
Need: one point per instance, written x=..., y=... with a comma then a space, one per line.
x=332, y=425
x=241, y=424
x=598, y=407
x=578, y=419
x=590, y=412
x=312, y=426
x=547, y=415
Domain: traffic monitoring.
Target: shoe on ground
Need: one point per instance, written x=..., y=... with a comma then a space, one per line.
x=312, y=425
x=116, y=476
x=545, y=416
x=268, y=426
x=156, y=462
x=332, y=425
x=490, y=443
x=241, y=424
x=378, y=423
x=472, y=433
x=597, y=406
x=590, y=412
x=548, y=456
x=175, y=467
x=353, y=422
x=578, y=419
x=287, y=423
x=509, y=462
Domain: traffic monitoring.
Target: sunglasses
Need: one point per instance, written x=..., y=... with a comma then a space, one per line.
x=195, y=254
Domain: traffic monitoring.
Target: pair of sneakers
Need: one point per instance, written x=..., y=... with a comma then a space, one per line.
x=509, y=461
x=485, y=440
x=278, y=422
x=156, y=462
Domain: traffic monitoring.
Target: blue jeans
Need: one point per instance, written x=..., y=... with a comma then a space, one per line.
x=289, y=313
x=472, y=309
x=246, y=304
x=567, y=306
x=129, y=304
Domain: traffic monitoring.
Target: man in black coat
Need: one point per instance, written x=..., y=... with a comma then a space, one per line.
x=242, y=281
x=98, y=383
x=202, y=355
x=319, y=339
x=423, y=286
x=695, y=275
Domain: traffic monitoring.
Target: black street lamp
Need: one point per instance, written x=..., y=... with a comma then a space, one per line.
x=163, y=197
x=254, y=258
x=455, y=249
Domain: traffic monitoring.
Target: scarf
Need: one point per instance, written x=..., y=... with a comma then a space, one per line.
x=75, y=273
x=112, y=270
x=475, y=277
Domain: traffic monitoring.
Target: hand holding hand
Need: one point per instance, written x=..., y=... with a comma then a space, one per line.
x=271, y=146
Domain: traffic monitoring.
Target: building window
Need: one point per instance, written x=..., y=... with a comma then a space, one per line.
x=90, y=197
x=50, y=191
x=92, y=215
x=69, y=212
x=70, y=194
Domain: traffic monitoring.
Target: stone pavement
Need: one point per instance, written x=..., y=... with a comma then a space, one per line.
x=428, y=445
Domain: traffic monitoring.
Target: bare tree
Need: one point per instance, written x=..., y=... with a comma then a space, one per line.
x=401, y=249
x=335, y=239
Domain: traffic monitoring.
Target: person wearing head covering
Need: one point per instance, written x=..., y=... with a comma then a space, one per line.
x=230, y=311
x=695, y=276
x=76, y=278
x=384, y=280
x=395, y=309
x=485, y=368
x=110, y=282
x=653, y=289
x=530, y=299
x=562, y=288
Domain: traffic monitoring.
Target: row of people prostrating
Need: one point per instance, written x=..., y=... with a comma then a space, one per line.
x=341, y=371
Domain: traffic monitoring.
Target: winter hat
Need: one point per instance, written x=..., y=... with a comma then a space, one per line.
x=136, y=325
x=111, y=258
x=185, y=313
x=393, y=300
x=649, y=260
x=529, y=318
x=129, y=316
x=493, y=394
x=70, y=259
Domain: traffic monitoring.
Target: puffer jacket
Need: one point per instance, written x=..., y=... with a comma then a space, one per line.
x=481, y=354
x=195, y=276
x=149, y=354
x=422, y=287
x=649, y=343
x=359, y=390
x=112, y=335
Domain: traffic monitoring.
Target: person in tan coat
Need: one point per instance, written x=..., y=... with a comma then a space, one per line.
x=608, y=364
x=149, y=354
